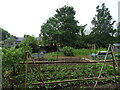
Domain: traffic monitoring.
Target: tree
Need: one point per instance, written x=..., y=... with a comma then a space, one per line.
x=29, y=41
x=50, y=32
x=102, y=30
x=4, y=34
x=62, y=28
x=67, y=25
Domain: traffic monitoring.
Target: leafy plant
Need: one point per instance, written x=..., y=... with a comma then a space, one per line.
x=68, y=51
x=68, y=72
x=11, y=67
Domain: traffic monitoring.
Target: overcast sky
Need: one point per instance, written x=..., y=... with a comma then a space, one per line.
x=21, y=17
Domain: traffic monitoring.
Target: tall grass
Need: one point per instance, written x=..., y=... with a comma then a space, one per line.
x=81, y=52
x=52, y=56
x=77, y=52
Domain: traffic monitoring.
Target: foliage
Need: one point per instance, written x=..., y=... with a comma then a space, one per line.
x=68, y=51
x=68, y=26
x=12, y=58
x=102, y=31
x=10, y=65
x=6, y=39
x=10, y=42
x=76, y=52
x=117, y=56
x=24, y=46
x=1, y=66
x=51, y=73
x=62, y=29
x=31, y=42
x=49, y=31
x=4, y=34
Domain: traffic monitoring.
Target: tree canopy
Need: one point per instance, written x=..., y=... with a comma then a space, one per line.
x=102, y=30
x=30, y=42
x=62, y=28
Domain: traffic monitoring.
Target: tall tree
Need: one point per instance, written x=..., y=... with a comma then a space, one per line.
x=102, y=30
x=67, y=25
x=31, y=42
x=62, y=28
x=50, y=32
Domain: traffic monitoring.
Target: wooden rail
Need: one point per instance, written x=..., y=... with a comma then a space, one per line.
x=93, y=78
x=32, y=61
x=54, y=62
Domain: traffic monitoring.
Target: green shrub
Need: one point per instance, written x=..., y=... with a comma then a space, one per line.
x=11, y=66
x=68, y=51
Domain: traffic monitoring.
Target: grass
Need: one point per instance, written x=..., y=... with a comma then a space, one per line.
x=77, y=52
x=81, y=53
x=52, y=56
x=55, y=54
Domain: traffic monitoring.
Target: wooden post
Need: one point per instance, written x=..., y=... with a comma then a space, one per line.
x=102, y=66
x=35, y=67
x=114, y=66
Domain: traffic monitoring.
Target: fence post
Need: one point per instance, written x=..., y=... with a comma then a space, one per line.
x=114, y=64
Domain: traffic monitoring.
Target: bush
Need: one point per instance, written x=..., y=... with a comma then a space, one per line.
x=68, y=51
x=11, y=67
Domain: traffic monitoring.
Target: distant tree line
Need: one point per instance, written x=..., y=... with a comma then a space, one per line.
x=4, y=34
x=6, y=39
x=62, y=29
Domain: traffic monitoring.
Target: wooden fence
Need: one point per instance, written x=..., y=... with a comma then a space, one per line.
x=30, y=60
